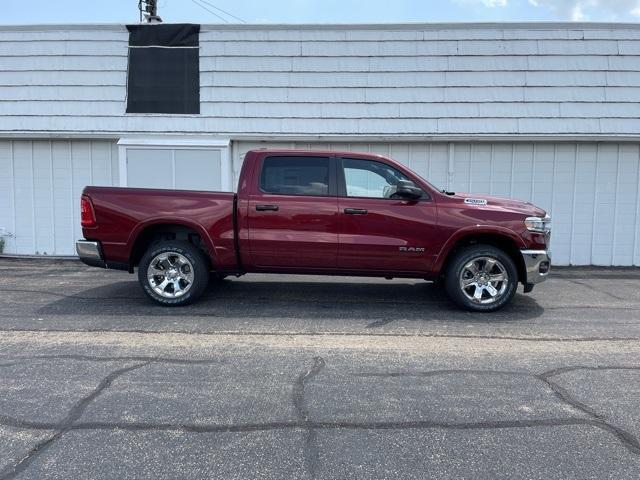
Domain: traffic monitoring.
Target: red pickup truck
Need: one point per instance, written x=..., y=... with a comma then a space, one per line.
x=318, y=212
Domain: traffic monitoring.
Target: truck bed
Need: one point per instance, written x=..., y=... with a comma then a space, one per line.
x=124, y=214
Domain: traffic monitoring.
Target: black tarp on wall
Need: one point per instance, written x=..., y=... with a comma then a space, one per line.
x=164, y=69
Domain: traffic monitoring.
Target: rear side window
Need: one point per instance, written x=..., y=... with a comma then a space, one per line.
x=295, y=176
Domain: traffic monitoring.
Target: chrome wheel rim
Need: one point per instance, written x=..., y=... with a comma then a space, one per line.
x=170, y=274
x=484, y=280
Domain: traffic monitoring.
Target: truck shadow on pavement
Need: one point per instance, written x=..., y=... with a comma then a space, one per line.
x=371, y=304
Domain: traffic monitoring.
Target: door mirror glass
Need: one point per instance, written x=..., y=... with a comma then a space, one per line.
x=407, y=189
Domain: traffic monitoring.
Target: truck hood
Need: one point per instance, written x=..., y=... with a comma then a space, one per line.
x=500, y=203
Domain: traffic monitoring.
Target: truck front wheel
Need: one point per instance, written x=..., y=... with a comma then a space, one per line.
x=481, y=278
x=173, y=273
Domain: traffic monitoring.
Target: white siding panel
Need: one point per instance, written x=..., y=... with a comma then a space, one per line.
x=564, y=94
x=461, y=180
x=522, y=171
x=404, y=95
x=568, y=62
x=41, y=199
x=599, y=110
x=542, y=33
x=626, y=191
x=623, y=79
x=577, y=47
x=484, y=94
x=63, y=33
x=556, y=125
x=618, y=126
x=58, y=48
x=45, y=108
x=583, y=205
x=606, y=179
x=7, y=195
x=619, y=33
x=559, y=79
x=501, y=170
x=251, y=49
x=62, y=93
x=624, y=62
x=501, y=47
x=477, y=125
x=43, y=215
x=64, y=202
x=623, y=94
x=629, y=47
x=50, y=63
x=564, y=165
x=53, y=78
x=591, y=190
x=488, y=63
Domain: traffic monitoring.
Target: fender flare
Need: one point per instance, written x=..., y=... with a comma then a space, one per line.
x=475, y=230
x=198, y=228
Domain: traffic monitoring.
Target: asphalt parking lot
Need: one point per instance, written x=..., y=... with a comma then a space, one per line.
x=282, y=377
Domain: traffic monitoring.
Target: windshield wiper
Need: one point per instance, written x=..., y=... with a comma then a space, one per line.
x=447, y=192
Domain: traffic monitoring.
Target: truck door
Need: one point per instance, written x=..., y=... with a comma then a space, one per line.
x=378, y=231
x=293, y=213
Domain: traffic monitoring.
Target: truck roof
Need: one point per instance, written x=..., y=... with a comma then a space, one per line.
x=295, y=151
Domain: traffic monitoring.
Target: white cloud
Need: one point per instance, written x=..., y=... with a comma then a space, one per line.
x=591, y=10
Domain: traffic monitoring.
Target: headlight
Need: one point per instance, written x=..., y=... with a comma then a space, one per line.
x=538, y=224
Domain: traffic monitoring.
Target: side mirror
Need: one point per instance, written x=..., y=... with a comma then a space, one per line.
x=407, y=189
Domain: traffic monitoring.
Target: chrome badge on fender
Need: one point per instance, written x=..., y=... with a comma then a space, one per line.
x=412, y=249
x=475, y=201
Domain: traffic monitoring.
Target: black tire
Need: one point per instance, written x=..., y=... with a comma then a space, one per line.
x=454, y=272
x=200, y=272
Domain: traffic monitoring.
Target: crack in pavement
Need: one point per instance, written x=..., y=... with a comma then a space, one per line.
x=76, y=411
x=627, y=438
x=311, y=427
x=597, y=290
x=139, y=358
x=311, y=454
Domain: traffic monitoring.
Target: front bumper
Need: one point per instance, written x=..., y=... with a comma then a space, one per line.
x=90, y=253
x=537, y=264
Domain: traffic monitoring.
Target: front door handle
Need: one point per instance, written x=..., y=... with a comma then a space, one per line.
x=267, y=208
x=355, y=211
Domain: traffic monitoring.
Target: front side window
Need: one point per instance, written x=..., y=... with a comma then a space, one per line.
x=370, y=179
x=295, y=176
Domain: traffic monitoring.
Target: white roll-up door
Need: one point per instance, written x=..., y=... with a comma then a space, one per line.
x=590, y=189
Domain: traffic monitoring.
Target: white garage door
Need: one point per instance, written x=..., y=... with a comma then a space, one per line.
x=40, y=186
x=590, y=189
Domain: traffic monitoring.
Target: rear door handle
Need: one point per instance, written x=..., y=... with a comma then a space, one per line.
x=355, y=211
x=267, y=208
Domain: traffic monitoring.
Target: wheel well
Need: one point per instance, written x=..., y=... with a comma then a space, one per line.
x=503, y=243
x=163, y=233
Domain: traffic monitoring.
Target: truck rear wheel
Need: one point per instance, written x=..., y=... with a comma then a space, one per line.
x=481, y=278
x=173, y=273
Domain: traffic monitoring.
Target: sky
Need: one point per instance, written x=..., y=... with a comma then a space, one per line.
x=320, y=11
